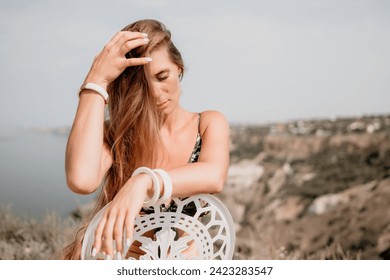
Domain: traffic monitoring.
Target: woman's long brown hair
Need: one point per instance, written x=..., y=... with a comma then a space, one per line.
x=131, y=129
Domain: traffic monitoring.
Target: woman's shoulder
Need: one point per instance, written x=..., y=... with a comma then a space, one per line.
x=213, y=116
x=214, y=119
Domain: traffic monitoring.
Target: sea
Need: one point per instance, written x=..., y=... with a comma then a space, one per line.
x=32, y=174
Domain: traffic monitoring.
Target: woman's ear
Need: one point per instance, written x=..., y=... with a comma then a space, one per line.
x=180, y=73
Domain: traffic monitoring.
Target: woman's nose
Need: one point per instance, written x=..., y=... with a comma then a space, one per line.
x=159, y=93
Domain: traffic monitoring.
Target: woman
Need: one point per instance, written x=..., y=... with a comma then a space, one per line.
x=140, y=68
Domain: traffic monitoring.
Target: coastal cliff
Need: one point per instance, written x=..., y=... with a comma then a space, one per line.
x=307, y=189
x=315, y=189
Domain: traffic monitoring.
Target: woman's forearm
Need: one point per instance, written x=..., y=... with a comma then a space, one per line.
x=85, y=144
x=196, y=178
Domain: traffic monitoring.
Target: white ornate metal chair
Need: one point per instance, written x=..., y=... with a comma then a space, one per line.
x=209, y=232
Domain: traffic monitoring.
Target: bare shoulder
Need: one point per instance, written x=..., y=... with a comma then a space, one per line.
x=214, y=119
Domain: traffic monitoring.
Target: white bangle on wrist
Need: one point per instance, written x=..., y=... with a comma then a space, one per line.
x=156, y=184
x=167, y=185
x=96, y=88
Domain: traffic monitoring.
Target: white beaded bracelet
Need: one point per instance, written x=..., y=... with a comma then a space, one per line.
x=156, y=184
x=96, y=88
x=167, y=185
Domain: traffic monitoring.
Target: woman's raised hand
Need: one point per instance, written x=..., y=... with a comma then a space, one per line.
x=111, y=61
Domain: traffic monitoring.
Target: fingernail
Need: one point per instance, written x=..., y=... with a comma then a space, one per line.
x=94, y=251
x=108, y=257
x=146, y=39
x=128, y=242
x=144, y=34
x=148, y=59
x=118, y=255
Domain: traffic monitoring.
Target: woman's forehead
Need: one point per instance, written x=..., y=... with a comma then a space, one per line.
x=161, y=60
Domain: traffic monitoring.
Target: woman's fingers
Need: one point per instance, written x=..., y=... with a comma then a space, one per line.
x=132, y=44
x=128, y=36
x=97, y=243
x=118, y=234
x=111, y=61
x=137, y=61
x=109, y=229
x=129, y=226
x=122, y=37
x=107, y=237
x=125, y=41
x=115, y=38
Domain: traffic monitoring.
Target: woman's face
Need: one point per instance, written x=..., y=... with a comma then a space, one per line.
x=163, y=76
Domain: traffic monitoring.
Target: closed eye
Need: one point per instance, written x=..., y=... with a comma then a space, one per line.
x=162, y=78
x=162, y=75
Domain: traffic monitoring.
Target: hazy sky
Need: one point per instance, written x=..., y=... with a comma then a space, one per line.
x=256, y=61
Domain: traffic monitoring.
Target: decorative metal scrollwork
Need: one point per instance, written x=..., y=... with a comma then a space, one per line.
x=207, y=234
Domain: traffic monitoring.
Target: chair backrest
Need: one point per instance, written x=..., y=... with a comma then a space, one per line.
x=208, y=234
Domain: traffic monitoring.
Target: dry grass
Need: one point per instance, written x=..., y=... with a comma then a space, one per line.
x=253, y=246
x=26, y=239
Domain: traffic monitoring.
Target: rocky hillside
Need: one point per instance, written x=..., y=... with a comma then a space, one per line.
x=301, y=190
x=311, y=189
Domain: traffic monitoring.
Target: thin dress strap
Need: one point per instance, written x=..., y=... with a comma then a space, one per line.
x=199, y=123
x=198, y=145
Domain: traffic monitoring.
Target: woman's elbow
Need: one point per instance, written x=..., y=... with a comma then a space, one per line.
x=81, y=185
x=219, y=183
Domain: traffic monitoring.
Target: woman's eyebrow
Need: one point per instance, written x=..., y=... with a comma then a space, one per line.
x=162, y=71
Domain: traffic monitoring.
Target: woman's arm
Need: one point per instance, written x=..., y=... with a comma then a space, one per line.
x=208, y=175
x=87, y=159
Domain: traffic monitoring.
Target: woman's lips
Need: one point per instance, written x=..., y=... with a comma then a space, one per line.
x=163, y=103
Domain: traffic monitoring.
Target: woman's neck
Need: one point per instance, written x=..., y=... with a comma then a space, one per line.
x=175, y=120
